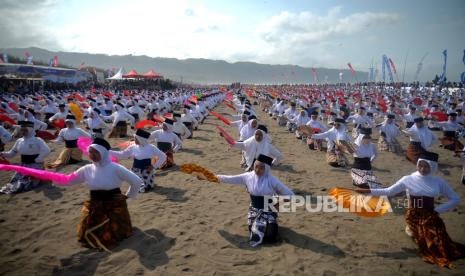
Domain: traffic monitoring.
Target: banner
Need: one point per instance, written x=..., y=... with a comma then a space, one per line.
x=443, y=75
x=351, y=69
x=392, y=66
x=462, y=76
x=388, y=67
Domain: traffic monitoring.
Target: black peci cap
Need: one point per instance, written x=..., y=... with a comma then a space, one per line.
x=142, y=133
x=340, y=120
x=263, y=128
x=365, y=131
x=26, y=124
x=418, y=120
x=431, y=156
x=102, y=142
x=265, y=159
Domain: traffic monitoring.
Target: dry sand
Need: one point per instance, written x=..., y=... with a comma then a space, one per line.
x=190, y=226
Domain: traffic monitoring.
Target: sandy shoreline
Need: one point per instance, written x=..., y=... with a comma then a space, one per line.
x=192, y=226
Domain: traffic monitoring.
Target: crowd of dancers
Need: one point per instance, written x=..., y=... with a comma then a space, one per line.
x=157, y=123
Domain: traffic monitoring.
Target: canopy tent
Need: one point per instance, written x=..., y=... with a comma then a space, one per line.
x=132, y=74
x=152, y=75
x=118, y=75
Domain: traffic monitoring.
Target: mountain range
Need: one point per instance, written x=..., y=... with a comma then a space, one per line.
x=194, y=70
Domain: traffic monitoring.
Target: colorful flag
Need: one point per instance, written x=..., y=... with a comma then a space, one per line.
x=392, y=66
x=80, y=66
x=462, y=76
x=5, y=57
x=443, y=75
x=352, y=70
x=95, y=71
x=55, y=61
x=50, y=62
x=388, y=67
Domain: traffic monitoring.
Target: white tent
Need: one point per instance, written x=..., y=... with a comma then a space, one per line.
x=118, y=75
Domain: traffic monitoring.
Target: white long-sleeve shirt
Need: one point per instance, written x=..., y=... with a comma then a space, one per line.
x=136, y=110
x=316, y=124
x=148, y=151
x=166, y=137
x=269, y=186
x=108, y=177
x=181, y=129
x=422, y=135
x=49, y=108
x=71, y=134
x=300, y=120
x=391, y=131
x=252, y=149
x=449, y=125
x=58, y=116
x=362, y=120
x=96, y=123
x=332, y=136
x=366, y=151
x=121, y=115
x=418, y=185
x=29, y=146
x=188, y=118
x=290, y=113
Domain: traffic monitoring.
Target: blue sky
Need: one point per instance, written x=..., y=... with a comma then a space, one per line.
x=326, y=33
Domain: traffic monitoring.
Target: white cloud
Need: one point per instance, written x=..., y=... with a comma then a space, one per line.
x=167, y=29
x=22, y=23
x=184, y=30
x=306, y=38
